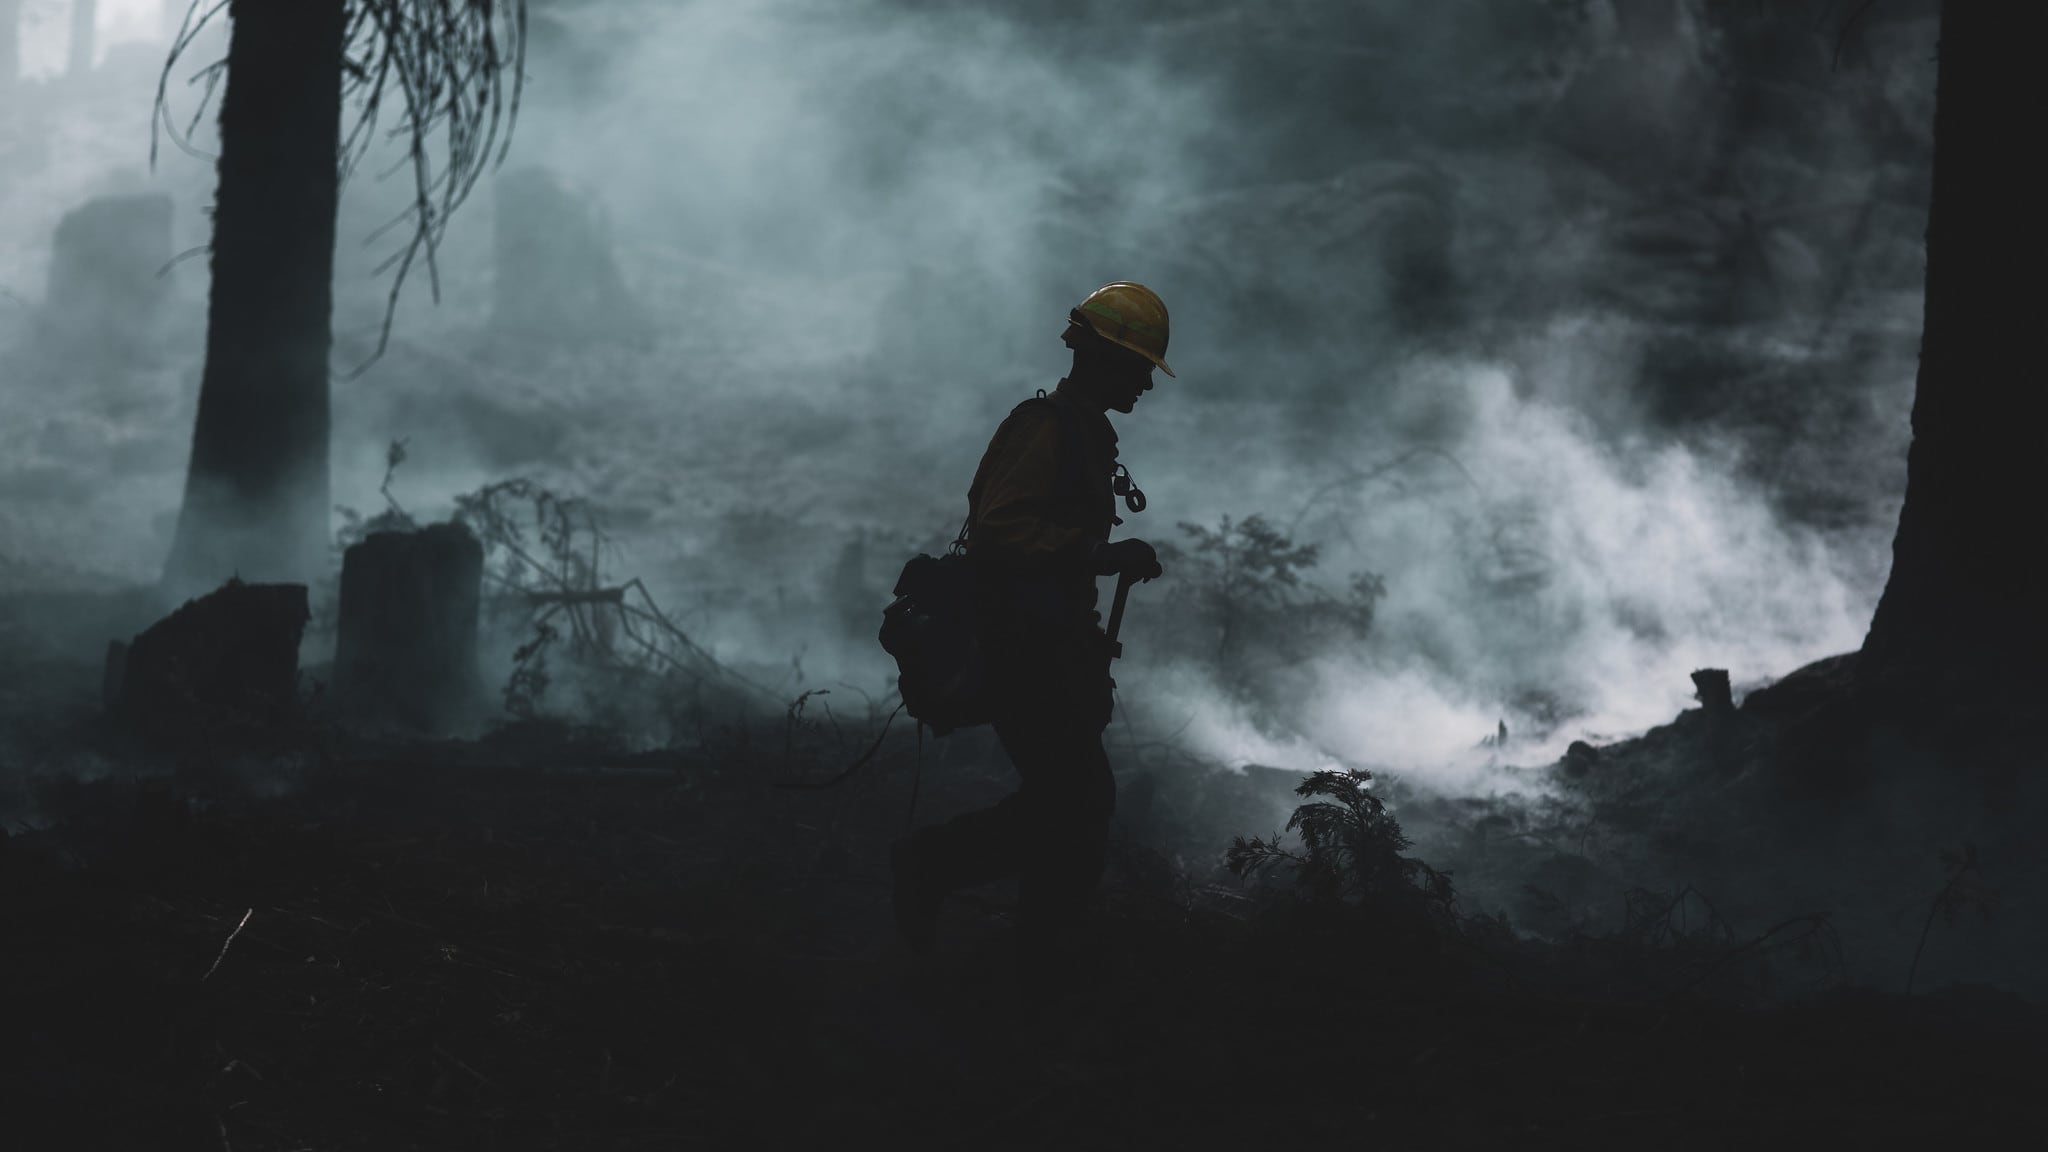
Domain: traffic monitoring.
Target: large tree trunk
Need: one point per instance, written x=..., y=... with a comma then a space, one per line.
x=1964, y=604
x=256, y=501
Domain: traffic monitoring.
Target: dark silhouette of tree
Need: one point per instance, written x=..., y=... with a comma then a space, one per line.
x=1964, y=602
x=256, y=492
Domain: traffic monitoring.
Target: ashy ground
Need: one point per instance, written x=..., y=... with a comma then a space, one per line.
x=533, y=941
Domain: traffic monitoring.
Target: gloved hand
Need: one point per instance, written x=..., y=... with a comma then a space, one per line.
x=1133, y=557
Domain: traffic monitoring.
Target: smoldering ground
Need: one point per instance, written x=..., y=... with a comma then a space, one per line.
x=1588, y=329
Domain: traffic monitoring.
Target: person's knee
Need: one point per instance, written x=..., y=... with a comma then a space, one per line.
x=1093, y=783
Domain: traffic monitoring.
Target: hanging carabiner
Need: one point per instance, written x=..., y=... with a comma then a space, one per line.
x=1120, y=483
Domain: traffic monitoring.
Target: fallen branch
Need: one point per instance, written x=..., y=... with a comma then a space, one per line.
x=577, y=596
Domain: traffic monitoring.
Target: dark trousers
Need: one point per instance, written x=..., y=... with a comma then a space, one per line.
x=1052, y=701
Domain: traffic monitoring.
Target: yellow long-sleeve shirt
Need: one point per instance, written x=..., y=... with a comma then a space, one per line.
x=1028, y=521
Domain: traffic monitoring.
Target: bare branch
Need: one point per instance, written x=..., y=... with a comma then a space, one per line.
x=449, y=62
x=196, y=19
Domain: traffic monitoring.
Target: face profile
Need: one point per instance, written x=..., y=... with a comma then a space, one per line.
x=1117, y=375
x=1119, y=335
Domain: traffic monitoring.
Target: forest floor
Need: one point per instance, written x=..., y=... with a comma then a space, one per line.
x=533, y=941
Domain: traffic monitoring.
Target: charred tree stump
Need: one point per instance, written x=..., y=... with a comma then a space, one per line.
x=1710, y=688
x=225, y=663
x=104, y=287
x=1580, y=758
x=405, y=653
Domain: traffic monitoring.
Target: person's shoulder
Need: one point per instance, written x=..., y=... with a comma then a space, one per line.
x=1046, y=402
x=1033, y=411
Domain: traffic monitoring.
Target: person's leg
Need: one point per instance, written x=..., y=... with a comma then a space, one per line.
x=939, y=859
x=974, y=847
x=1052, y=702
x=1069, y=796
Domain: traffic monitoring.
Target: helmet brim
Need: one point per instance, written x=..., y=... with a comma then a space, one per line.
x=1157, y=361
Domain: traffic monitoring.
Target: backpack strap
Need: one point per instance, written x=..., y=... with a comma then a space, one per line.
x=1070, y=437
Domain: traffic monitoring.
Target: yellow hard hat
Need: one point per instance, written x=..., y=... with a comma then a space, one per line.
x=1131, y=315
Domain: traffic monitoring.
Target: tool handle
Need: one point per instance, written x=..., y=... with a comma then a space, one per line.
x=1116, y=610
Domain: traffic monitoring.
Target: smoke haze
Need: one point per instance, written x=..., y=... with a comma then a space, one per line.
x=1589, y=327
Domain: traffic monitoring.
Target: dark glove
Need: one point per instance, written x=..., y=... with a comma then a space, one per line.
x=1126, y=557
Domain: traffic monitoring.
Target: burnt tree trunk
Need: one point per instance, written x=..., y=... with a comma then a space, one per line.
x=256, y=493
x=1964, y=603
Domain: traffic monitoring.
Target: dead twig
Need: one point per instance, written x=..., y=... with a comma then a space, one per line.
x=1366, y=476
x=794, y=718
x=224, y=952
x=1956, y=894
x=850, y=769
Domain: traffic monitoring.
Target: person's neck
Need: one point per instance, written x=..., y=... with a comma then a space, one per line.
x=1081, y=393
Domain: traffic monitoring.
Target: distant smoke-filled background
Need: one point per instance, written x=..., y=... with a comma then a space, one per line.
x=1587, y=327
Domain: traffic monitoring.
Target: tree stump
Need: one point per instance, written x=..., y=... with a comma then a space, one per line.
x=104, y=287
x=224, y=663
x=1710, y=688
x=405, y=651
x=1580, y=758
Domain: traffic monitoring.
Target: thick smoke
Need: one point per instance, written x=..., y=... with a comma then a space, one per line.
x=1588, y=327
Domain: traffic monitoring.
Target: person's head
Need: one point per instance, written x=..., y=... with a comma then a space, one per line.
x=1118, y=335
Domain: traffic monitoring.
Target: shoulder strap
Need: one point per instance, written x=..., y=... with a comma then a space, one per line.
x=1071, y=434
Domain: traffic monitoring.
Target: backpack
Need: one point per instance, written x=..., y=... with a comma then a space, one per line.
x=933, y=628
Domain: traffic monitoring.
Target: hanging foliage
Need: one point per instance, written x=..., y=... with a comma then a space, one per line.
x=443, y=77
